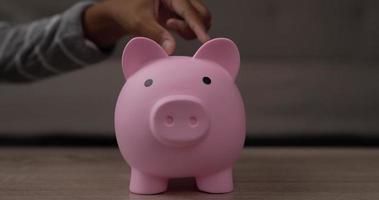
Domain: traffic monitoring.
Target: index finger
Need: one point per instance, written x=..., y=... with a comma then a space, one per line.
x=185, y=10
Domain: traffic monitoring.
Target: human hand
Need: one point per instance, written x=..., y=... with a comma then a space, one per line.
x=106, y=22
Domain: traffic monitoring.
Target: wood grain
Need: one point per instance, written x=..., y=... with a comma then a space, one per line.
x=261, y=173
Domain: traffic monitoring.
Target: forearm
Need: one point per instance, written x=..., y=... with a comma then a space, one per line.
x=100, y=27
x=46, y=47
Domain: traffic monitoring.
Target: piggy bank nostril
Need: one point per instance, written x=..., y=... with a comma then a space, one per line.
x=193, y=121
x=169, y=120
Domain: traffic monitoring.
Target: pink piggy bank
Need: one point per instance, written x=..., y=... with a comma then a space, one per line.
x=179, y=116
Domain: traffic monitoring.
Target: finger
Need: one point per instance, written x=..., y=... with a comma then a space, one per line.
x=203, y=11
x=181, y=27
x=152, y=29
x=185, y=10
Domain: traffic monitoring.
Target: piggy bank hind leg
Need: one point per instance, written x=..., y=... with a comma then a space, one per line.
x=142, y=183
x=220, y=182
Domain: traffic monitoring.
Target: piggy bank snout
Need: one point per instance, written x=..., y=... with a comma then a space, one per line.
x=179, y=120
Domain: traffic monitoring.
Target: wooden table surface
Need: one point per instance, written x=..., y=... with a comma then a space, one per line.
x=261, y=173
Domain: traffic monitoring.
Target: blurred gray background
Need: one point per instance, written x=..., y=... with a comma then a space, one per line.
x=309, y=67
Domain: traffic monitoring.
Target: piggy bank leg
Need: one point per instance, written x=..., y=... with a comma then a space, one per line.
x=142, y=183
x=220, y=182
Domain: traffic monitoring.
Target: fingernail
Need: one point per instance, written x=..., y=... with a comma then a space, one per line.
x=168, y=46
x=205, y=37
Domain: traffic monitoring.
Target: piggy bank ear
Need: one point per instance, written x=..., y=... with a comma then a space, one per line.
x=138, y=52
x=222, y=51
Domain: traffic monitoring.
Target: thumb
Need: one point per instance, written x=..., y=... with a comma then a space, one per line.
x=153, y=30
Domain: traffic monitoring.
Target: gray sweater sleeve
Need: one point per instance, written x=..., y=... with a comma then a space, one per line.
x=46, y=47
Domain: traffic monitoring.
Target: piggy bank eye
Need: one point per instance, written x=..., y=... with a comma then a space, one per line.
x=207, y=80
x=148, y=82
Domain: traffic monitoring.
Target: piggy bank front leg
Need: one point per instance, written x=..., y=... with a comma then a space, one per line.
x=142, y=183
x=220, y=182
